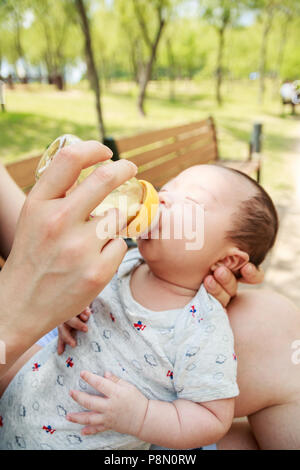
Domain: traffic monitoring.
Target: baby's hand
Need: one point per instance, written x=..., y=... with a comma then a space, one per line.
x=66, y=331
x=122, y=409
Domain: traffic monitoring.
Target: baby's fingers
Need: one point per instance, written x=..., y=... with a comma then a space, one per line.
x=60, y=346
x=85, y=315
x=77, y=324
x=86, y=417
x=90, y=402
x=64, y=337
x=89, y=430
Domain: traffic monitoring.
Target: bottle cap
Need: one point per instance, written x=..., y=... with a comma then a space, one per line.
x=147, y=213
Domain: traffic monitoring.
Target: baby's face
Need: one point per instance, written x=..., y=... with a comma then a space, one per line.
x=208, y=197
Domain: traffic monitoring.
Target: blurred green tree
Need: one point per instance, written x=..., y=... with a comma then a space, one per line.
x=13, y=16
x=83, y=9
x=222, y=15
x=150, y=18
x=53, y=40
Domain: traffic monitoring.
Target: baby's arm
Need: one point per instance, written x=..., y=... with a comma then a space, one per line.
x=184, y=424
x=179, y=425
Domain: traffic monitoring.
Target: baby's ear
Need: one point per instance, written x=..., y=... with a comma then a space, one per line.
x=235, y=260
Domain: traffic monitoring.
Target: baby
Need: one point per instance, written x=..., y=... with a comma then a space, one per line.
x=155, y=327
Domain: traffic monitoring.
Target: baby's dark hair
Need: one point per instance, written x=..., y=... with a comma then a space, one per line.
x=255, y=224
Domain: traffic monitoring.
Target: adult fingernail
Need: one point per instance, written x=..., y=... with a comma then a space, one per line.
x=249, y=269
x=128, y=163
x=211, y=282
x=109, y=151
x=222, y=274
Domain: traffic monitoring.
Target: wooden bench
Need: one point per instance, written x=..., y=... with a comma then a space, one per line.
x=161, y=155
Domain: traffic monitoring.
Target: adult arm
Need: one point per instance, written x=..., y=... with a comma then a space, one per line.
x=266, y=327
x=57, y=264
x=11, y=202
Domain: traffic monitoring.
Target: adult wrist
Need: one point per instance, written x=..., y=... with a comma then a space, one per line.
x=17, y=334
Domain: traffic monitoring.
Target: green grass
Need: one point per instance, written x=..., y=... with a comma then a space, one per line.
x=37, y=115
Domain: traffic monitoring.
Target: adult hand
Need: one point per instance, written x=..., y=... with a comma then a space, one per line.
x=223, y=284
x=58, y=264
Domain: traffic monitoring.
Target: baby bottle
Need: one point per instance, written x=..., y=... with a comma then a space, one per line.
x=136, y=198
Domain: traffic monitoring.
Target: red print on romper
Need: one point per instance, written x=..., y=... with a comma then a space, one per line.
x=193, y=311
x=1, y=421
x=139, y=326
x=69, y=362
x=112, y=318
x=36, y=367
x=49, y=429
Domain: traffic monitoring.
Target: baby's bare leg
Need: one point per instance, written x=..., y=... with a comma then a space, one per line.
x=10, y=374
x=265, y=326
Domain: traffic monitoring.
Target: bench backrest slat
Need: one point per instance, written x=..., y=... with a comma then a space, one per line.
x=172, y=150
x=131, y=143
x=179, y=146
x=160, y=174
x=23, y=172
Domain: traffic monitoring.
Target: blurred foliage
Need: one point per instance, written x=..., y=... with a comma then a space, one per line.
x=44, y=34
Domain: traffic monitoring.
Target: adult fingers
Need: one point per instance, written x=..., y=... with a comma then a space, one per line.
x=227, y=280
x=216, y=291
x=251, y=274
x=65, y=168
x=111, y=256
x=104, y=179
x=107, y=226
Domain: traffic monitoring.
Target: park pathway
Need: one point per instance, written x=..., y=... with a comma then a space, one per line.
x=283, y=267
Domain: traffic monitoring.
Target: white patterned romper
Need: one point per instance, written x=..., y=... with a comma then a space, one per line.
x=186, y=353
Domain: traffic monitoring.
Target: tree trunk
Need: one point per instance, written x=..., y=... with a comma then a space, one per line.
x=171, y=70
x=219, y=71
x=263, y=55
x=147, y=72
x=92, y=71
x=281, y=52
x=2, y=97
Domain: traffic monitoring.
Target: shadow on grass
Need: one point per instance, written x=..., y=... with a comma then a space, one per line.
x=271, y=140
x=28, y=134
x=180, y=99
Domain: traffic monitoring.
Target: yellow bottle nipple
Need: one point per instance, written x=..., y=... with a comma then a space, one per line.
x=136, y=198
